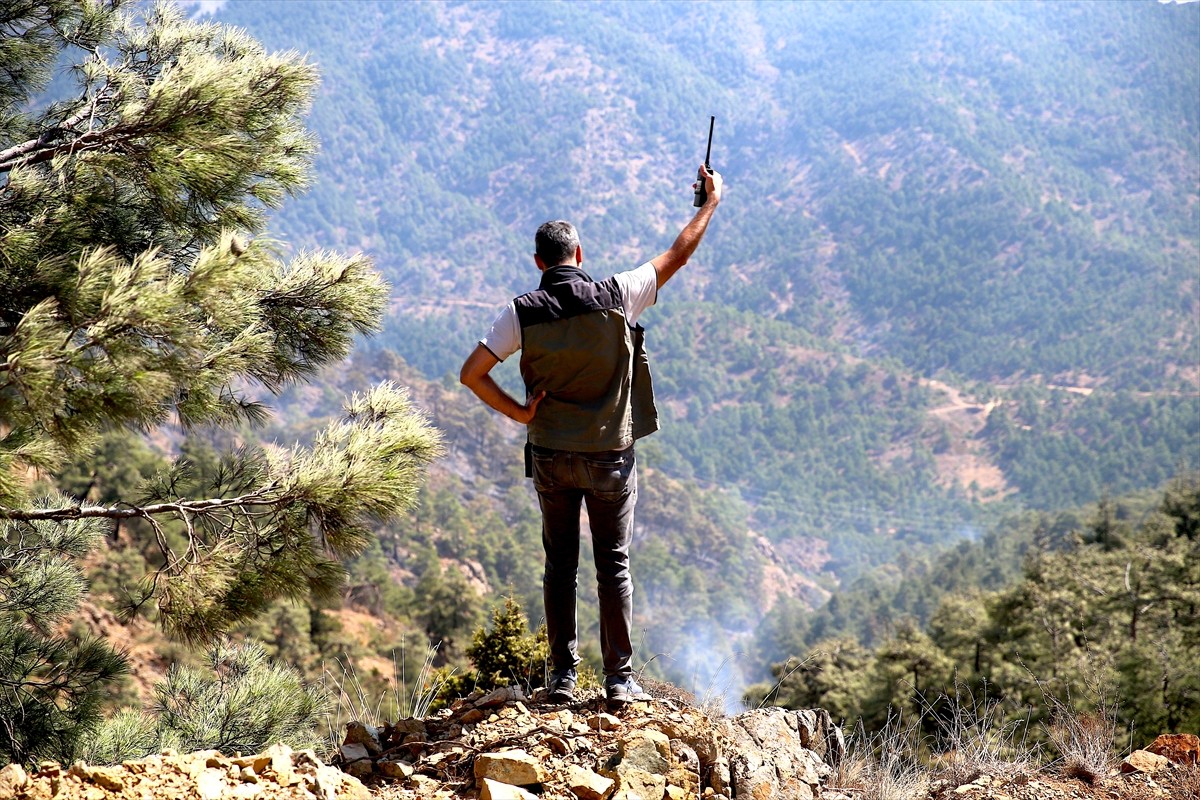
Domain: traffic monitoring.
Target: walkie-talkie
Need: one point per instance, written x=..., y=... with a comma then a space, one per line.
x=701, y=193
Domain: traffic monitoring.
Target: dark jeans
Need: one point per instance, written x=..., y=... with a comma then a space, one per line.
x=607, y=483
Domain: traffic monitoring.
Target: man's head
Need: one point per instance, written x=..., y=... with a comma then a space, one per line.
x=555, y=243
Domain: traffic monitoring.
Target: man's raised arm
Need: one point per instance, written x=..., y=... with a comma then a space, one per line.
x=669, y=262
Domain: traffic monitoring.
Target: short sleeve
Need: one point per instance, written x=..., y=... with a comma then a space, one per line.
x=504, y=338
x=639, y=290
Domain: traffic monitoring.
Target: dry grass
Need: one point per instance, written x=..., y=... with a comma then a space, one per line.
x=978, y=739
x=883, y=766
x=358, y=703
x=1085, y=741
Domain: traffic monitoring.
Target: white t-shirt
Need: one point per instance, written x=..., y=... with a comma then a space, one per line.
x=639, y=290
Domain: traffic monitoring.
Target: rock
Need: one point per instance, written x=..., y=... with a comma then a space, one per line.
x=1144, y=762
x=587, y=785
x=356, y=760
x=558, y=745
x=471, y=717
x=514, y=767
x=396, y=770
x=701, y=738
x=495, y=790
x=281, y=764
x=1179, y=748
x=647, y=750
x=366, y=735
x=500, y=696
x=769, y=759
x=721, y=778
x=210, y=784
x=819, y=734
x=330, y=783
x=603, y=722
x=636, y=784
x=676, y=793
x=12, y=781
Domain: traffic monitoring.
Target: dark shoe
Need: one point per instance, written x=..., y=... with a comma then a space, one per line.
x=562, y=687
x=622, y=691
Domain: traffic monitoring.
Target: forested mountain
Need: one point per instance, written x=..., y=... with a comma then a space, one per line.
x=957, y=270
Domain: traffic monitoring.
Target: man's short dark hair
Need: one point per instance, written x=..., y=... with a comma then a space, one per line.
x=556, y=242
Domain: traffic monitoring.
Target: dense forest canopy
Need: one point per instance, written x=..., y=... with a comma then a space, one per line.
x=998, y=196
x=956, y=276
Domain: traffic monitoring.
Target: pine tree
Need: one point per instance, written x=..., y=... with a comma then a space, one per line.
x=137, y=288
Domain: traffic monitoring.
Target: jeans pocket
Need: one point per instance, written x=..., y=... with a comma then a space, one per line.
x=543, y=472
x=609, y=475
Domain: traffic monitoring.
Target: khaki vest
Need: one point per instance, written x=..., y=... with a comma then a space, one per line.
x=578, y=347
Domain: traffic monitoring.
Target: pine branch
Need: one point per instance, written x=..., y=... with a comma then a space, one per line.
x=16, y=155
x=125, y=511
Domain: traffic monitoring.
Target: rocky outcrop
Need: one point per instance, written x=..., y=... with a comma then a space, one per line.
x=783, y=753
x=1178, y=748
x=501, y=744
x=276, y=774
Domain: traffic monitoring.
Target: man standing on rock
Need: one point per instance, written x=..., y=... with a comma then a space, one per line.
x=588, y=398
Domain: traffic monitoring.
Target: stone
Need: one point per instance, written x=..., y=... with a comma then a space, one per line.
x=647, y=750
x=281, y=764
x=495, y=790
x=12, y=781
x=356, y=760
x=514, y=767
x=1178, y=748
x=1144, y=762
x=557, y=744
x=500, y=696
x=677, y=793
x=333, y=784
x=636, y=784
x=587, y=785
x=471, y=717
x=700, y=737
x=721, y=778
x=396, y=770
x=603, y=722
x=210, y=784
x=768, y=759
x=366, y=735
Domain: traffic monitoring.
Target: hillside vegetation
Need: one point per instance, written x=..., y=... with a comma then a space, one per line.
x=1001, y=196
x=956, y=275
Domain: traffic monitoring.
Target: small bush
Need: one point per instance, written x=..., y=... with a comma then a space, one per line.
x=508, y=653
x=243, y=703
